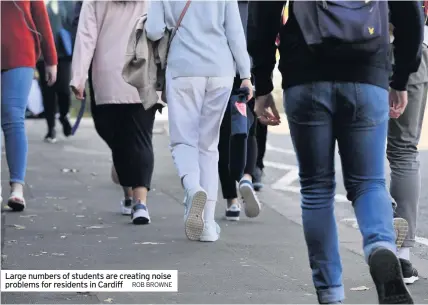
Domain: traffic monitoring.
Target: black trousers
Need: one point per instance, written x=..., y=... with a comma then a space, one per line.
x=59, y=93
x=261, y=133
x=92, y=97
x=231, y=149
x=128, y=130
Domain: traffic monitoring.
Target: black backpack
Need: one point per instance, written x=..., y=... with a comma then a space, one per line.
x=337, y=28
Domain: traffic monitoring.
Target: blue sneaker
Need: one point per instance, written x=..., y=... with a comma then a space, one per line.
x=233, y=212
x=251, y=202
x=140, y=215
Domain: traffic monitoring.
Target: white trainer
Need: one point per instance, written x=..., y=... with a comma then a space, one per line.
x=211, y=232
x=193, y=213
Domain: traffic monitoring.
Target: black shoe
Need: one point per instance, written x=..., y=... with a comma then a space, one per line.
x=385, y=270
x=410, y=274
x=51, y=136
x=257, y=179
x=66, y=126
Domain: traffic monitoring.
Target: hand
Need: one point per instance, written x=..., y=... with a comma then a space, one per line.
x=50, y=72
x=78, y=92
x=266, y=111
x=397, y=103
x=247, y=84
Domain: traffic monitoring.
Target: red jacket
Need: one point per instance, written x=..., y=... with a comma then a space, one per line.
x=21, y=47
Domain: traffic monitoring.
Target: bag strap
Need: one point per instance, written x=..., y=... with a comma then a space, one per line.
x=183, y=13
x=174, y=31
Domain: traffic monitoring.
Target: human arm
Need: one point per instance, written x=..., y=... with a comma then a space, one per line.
x=155, y=23
x=262, y=29
x=86, y=40
x=236, y=39
x=407, y=19
x=47, y=43
x=43, y=26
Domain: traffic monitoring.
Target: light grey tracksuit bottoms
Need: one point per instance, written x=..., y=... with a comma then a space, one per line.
x=402, y=151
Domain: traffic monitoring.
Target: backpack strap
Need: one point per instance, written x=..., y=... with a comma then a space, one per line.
x=183, y=13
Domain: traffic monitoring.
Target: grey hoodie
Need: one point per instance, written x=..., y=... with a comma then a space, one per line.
x=209, y=41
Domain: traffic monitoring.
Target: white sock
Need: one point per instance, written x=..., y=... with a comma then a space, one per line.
x=190, y=181
x=404, y=253
x=209, y=211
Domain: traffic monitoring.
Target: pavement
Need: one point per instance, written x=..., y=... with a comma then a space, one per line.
x=72, y=221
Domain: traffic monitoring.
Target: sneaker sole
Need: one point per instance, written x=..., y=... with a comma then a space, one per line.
x=401, y=228
x=16, y=205
x=252, y=206
x=411, y=280
x=194, y=224
x=385, y=270
x=140, y=220
x=232, y=218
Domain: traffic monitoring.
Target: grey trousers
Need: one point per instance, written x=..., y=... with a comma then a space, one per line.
x=402, y=152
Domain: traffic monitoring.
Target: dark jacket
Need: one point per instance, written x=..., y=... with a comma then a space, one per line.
x=75, y=22
x=61, y=15
x=298, y=65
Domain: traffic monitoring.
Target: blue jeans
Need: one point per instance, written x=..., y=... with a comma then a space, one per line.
x=15, y=88
x=356, y=116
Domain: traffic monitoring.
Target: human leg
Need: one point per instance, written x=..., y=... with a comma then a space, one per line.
x=403, y=155
x=246, y=182
x=228, y=184
x=133, y=155
x=215, y=101
x=261, y=137
x=361, y=127
x=16, y=85
x=185, y=97
x=310, y=109
x=49, y=103
x=63, y=94
x=107, y=122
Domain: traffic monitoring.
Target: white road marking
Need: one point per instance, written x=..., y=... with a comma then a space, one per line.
x=284, y=183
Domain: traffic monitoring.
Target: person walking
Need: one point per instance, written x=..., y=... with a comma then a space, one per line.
x=262, y=129
x=121, y=119
x=25, y=35
x=201, y=67
x=93, y=106
x=231, y=167
x=338, y=91
x=60, y=15
x=235, y=149
x=402, y=151
x=75, y=23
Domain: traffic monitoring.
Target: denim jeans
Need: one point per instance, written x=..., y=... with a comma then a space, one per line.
x=356, y=116
x=15, y=88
